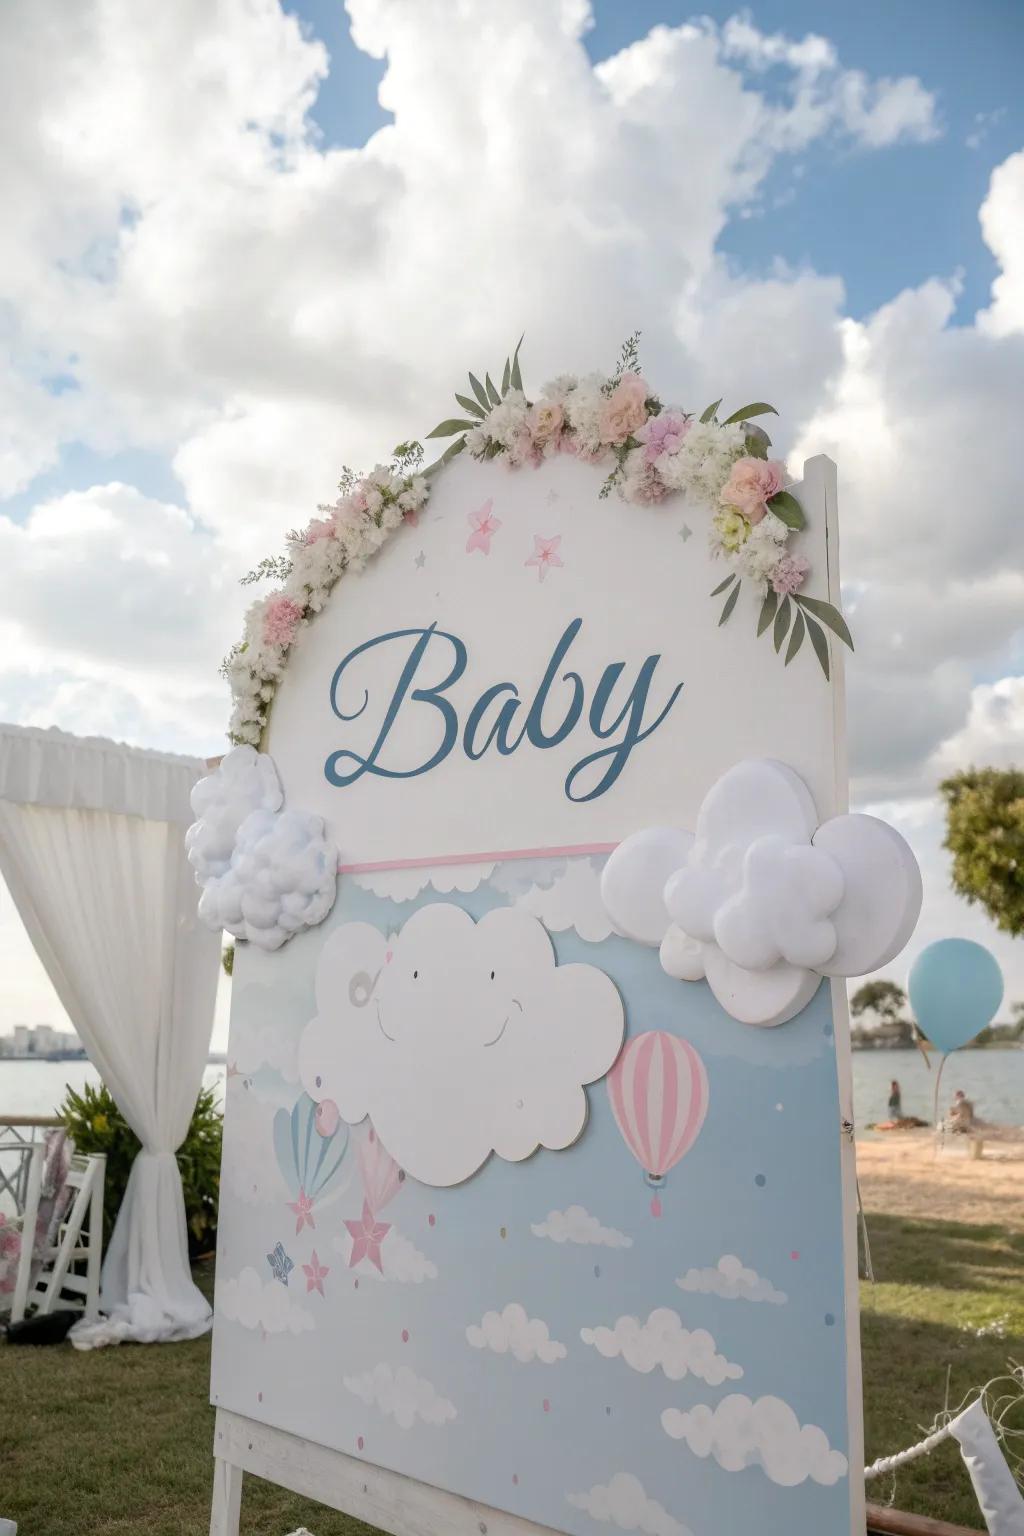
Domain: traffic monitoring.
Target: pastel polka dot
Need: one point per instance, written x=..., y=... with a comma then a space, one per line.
x=830, y=1321
x=547, y=1405
x=608, y=1412
x=827, y=1031
x=515, y=1479
x=760, y=1180
x=405, y=1335
x=597, y=1271
x=504, y=1233
x=779, y=1107
x=431, y=1220
x=360, y=1443
x=259, y=1397
x=795, y=1254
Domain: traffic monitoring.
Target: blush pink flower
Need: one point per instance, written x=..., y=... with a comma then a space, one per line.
x=523, y=450
x=280, y=620
x=319, y=528
x=546, y=420
x=789, y=575
x=662, y=434
x=752, y=483
x=625, y=410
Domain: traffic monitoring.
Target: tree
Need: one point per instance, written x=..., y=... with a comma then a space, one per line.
x=985, y=834
x=886, y=1001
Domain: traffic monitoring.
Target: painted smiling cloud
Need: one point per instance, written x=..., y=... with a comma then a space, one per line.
x=457, y=1038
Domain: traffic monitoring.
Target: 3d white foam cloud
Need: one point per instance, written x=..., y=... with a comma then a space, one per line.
x=257, y=1303
x=576, y=1225
x=458, y=1038
x=765, y=1433
x=512, y=1331
x=731, y=1279
x=401, y=1395
x=265, y=873
x=663, y=1341
x=623, y=1502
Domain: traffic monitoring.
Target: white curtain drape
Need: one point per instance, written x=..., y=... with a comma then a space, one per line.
x=109, y=902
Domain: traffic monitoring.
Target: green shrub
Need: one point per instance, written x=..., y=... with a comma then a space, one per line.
x=95, y=1124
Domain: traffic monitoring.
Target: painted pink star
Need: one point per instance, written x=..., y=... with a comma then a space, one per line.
x=315, y=1273
x=484, y=525
x=232, y=1070
x=303, y=1208
x=367, y=1236
x=544, y=554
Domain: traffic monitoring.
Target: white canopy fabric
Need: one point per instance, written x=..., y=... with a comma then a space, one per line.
x=92, y=851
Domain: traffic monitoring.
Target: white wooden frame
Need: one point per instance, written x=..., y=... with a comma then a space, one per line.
x=404, y=1507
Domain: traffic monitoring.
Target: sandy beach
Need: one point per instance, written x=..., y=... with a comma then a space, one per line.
x=901, y=1174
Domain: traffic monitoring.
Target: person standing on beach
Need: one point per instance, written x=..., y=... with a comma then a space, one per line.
x=895, y=1101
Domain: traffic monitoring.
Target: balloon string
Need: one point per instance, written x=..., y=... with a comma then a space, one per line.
x=935, y=1107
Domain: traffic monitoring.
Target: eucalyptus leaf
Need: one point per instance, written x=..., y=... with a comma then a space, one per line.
x=471, y=406
x=446, y=457
x=768, y=607
x=450, y=427
x=788, y=510
x=709, y=414
x=756, y=440
x=820, y=643
x=723, y=584
x=796, y=639
x=730, y=603
x=759, y=408
x=480, y=392
x=782, y=622
x=506, y=378
x=492, y=393
x=830, y=615
x=517, y=378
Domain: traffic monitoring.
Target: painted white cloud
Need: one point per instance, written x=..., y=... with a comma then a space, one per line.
x=663, y=1342
x=282, y=878
x=401, y=1395
x=513, y=1332
x=401, y=1260
x=243, y=781
x=572, y=900
x=249, y=1169
x=766, y=1433
x=624, y=1503
x=263, y=1036
x=258, y=1303
x=731, y=1279
x=443, y=1037
x=576, y=1225
x=404, y=884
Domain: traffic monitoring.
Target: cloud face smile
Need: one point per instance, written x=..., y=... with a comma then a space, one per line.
x=458, y=1038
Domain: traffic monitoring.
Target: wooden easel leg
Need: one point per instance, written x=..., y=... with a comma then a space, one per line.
x=227, y=1499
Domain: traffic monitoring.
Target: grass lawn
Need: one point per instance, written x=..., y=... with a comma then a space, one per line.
x=119, y=1441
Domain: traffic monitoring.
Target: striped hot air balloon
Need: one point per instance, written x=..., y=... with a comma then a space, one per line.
x=382, y=1177
x=659, y=1095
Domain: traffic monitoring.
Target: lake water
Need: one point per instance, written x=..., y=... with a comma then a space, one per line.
x=993, y=1080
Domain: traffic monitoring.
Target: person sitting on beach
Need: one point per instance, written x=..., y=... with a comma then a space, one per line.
x=961, y=1112
x=895, y=1101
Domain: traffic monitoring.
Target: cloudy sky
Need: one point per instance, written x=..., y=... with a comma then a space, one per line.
x=243, y=243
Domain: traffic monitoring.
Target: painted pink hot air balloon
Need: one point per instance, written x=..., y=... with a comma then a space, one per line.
x=659, y=1095
x=382, y=1177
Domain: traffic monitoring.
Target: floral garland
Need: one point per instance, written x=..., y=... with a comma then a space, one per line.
x=653, y=451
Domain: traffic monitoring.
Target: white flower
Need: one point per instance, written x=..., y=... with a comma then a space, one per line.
x=478, y=440
x=509, y=418
x=583, y=407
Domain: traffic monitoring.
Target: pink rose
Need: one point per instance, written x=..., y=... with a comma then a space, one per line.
x=752, y=483
x=546, y=420
x=663, y=434
x=280, y=620
x=625, y=410
x=789, y=575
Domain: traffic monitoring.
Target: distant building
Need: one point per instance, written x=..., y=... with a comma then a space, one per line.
x=42, y=1042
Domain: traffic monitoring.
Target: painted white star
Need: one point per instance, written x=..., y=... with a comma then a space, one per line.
x=420, y=561
x=685, y=532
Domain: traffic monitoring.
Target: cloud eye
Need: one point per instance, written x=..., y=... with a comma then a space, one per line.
x=492, y=975
x=415, y=975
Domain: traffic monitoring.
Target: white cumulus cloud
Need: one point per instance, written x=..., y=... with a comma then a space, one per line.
x=401, y=1261
x=766, y=1433
x=576, y=1225
x=572, y=900
x=513, y=1332
x=731, y=1279
x=401, y=1395
x=624, y=1502
x=663, y=1342
x=258, y=1303
x=442, y=1035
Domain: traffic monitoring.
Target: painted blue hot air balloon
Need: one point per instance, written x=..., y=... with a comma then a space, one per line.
x=310, y=1162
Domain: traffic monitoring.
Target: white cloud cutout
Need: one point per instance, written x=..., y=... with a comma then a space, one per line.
x=576, y=1225
x=513, y=1332
x=402, y=1262
x=766, y=1433
x=257, y=1303
x=731, y=1279
x=282, y=878
x=243, y=781
x=572, y=900
x=624, y=1503
x=442, y=1036
x=663, y=1342
x=401, y=1395
x=405, y=884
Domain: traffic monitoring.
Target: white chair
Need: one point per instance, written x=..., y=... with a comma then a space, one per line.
x=78, y=1240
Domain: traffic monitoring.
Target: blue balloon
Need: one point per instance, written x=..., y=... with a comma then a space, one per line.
x=956, y=987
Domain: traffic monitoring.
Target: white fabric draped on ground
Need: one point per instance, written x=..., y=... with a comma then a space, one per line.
x=92, y=851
